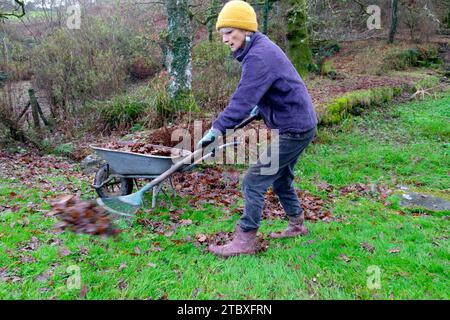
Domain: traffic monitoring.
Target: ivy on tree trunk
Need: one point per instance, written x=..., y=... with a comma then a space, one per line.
x=297, y=36
x=394, y=20
x=178, y=54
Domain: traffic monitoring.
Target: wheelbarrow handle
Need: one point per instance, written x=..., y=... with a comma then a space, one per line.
x=188, y=160
x=246, y=122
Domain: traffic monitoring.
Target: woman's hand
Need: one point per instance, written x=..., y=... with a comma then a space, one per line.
x=255, y=112
x=209, y=138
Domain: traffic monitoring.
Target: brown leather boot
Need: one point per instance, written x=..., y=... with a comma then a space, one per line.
x=294, y=228
x=243, y=243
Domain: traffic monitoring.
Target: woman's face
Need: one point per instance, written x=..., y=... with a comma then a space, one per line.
x=234, y=38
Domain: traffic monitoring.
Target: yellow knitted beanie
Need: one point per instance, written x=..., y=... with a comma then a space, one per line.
x=237, y=14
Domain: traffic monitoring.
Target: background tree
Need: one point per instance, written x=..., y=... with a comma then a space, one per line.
x=17, y=11
x=297, y=35
x=394, y=20
x=178, y=55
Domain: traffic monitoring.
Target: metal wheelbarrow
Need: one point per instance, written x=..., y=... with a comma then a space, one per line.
x=122, y=169
x=157, y=168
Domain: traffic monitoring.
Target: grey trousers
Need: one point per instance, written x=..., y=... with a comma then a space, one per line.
x=266, y=172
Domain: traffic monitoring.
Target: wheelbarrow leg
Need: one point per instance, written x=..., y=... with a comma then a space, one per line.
x=154, y=194
x=173, y=188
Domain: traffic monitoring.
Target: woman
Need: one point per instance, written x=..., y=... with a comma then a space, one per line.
x=270, y=86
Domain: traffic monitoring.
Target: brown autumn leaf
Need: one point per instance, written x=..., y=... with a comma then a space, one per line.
x=83, y=292
x=367, y=247
x=168, y=233
x=64, y=251
x=122, y=284
x=344, y=257
x=201, y=237
x=26, y=258
x=186, y=222
x=195, y=293
x=395, y=250
x=84, y=251
x=45, y=275
x=165, y=296
x=32, y=245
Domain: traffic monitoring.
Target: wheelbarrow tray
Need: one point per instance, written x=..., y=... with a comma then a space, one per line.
x=127, y=163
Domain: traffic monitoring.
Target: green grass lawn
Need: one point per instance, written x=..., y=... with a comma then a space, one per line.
x=405, y=253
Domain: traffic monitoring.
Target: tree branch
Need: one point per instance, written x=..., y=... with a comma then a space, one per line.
x=21, y=4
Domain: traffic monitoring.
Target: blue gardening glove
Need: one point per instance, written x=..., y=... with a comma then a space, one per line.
x=255, y=112
x=209, y=138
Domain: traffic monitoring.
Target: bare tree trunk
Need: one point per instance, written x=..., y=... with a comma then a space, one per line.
x=5, y=52
x=16, y=132
x=34, y=109
x=265, y=16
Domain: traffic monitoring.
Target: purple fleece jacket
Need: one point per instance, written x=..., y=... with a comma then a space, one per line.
x=270, y=81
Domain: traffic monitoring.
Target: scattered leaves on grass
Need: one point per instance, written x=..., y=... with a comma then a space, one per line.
x=223, y=238
x=32, y=245
x=26, y=258
x=9, y=276
x=43, y=277
x=29, y=168
x=208, y=186
x=373, y=191
x=156, y=226
x=122, y=266
x=82, y=216
x=221, y=187
x=344, y=257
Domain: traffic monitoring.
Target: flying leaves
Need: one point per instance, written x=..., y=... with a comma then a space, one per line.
x=82, y=217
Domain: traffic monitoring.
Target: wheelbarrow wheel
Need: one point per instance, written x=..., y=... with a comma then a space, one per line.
x=115, y=187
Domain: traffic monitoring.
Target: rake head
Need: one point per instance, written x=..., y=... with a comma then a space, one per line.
x=123, y=205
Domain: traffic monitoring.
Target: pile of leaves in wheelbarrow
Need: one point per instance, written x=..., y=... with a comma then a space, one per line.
x=82, y=216
x=143, y=148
